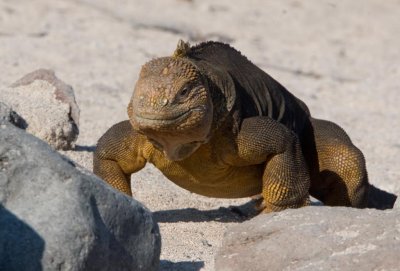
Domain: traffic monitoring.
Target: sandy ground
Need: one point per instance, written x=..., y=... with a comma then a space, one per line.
x=341, y=57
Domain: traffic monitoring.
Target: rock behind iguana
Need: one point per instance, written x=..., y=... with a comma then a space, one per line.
x=217, y=125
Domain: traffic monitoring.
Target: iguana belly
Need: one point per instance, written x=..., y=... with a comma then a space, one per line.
x=208, y=177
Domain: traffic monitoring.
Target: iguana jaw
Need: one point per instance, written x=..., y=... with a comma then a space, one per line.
x=178, y=136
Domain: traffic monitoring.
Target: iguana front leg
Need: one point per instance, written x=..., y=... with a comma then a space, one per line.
x=118, y=155
x=286, y=177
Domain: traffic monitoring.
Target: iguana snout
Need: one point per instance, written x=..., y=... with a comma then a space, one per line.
x=172, y=106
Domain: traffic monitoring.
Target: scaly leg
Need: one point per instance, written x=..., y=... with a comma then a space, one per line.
x=343, y=179
x=118, y=155
x=286, y=179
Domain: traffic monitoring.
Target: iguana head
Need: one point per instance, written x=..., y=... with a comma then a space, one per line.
x=172, y=107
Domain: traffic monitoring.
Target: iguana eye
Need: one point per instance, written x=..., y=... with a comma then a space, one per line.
x=183, y=93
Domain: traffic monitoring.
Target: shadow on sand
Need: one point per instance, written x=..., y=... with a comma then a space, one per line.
x=181, y=266
x=222, y=214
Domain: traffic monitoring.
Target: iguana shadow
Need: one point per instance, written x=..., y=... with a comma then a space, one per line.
x=82, y=148
x=229, y=214
x=378, y=199
x=181, y=266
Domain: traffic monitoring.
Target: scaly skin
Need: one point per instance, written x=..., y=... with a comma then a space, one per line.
x=216, y=125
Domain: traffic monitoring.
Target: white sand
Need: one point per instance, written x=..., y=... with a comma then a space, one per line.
x=341, y=57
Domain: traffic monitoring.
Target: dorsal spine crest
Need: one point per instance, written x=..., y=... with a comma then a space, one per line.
x=182, y=49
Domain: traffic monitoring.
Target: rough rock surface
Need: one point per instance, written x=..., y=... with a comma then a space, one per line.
x=54, y=217
x=47, y=105
x=314, y=238
x=9, y=115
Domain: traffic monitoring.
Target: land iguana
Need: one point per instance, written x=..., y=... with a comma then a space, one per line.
x=217, y=125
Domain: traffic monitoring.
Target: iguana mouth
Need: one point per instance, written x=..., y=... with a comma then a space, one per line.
x=162, y=117
x=165, y=119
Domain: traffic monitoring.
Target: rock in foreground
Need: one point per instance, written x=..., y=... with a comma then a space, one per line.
x=47, y=105
x=314, y=238
x=55, y=217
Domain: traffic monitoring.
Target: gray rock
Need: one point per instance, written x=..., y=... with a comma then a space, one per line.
x=9, y=115
x=54, y=216
x=314, y=238
x=47, y=105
